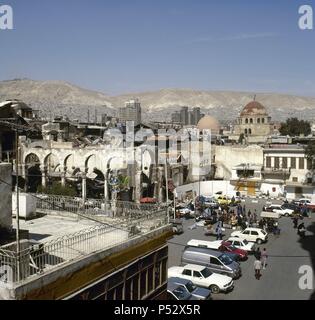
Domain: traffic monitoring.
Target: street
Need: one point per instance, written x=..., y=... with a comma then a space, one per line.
x=286, y=254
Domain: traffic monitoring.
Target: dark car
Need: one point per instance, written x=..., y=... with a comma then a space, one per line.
x=291, y=206
x=197, y=292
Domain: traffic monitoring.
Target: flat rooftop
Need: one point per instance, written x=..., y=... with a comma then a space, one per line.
x=47, y=228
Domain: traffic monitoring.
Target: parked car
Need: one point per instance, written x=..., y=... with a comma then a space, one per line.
x=252, y=235
x=241, y=244
x=176, y=292
x=227, y=247
x=278, y=208
x=203, y=277
x=197, y=292
x=213, y=245
x=308, y=203
x=224, y=200
x=292, y=206
x=216, y=261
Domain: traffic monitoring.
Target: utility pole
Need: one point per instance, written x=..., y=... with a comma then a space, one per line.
x=166, y=187
x=17, y=202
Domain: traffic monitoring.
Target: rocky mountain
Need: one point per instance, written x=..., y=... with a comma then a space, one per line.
x=60, y=98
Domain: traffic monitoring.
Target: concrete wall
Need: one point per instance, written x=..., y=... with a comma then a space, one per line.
x=6, y=195
x=27, y=205
x=227, y=157
x=275, y=188
x=207, y=188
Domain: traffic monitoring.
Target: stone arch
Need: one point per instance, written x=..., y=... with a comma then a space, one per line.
x=33, y=173
x=51, y=162
x=258, y=120
x=90, y=163
x=69, y=163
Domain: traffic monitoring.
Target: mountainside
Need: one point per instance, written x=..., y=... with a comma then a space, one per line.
x=55, y=97
x=60, y=98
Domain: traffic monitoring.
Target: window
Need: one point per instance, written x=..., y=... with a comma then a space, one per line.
x=249, y=131
x=268, y=162
x=301, y=163
x=258, y=120
x=293, y=163
x=197, y=274
x=284, y=162
x=214, y=261
x=236, y=243
x=246, y=120
x=246, y=232
x=295, y=179
x=263, y=120
x=150, y=279
x=143, y=283
x=309, y=164
x=250, y=120
x=277, y=163
x=187, y=272
x=254, y=233
x=245, y=131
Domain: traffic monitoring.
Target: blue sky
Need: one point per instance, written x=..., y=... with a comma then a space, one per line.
x=121, y=46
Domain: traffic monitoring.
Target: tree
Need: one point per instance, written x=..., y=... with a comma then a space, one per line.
x=241, y=138
x=310, y=153
x=294, y=127
x=57, y=189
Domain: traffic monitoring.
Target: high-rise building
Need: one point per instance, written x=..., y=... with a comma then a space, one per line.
x=176, y=116
x=131, y=112
x=184, y=115
x=197, y=115
x=191, y=118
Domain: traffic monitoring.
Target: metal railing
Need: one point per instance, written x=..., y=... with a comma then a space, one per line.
x=36, y=259
x=52, y=204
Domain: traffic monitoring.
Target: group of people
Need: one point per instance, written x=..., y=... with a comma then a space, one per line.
x=260, y=262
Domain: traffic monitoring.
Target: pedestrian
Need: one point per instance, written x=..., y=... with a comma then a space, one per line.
x=257, y=254
x=264, y=258
x=295, y=221
x=219, y=232
x=257, y=267
x=244, y=209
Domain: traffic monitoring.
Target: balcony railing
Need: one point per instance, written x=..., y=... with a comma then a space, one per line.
x=37, y=258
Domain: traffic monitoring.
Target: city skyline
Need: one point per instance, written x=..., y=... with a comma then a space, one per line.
x=121, y=47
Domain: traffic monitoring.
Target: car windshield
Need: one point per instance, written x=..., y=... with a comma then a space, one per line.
x=180, y=293
x=190, y=286
x=245, y=242
x=225, y=259
x=263, y=232
x=206, y=272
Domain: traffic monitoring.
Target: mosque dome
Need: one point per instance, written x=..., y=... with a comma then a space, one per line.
x=209, y=123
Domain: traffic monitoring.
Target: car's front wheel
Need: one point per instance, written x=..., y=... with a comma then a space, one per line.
x=286, y=215
x=259, y=241
x=214, y=288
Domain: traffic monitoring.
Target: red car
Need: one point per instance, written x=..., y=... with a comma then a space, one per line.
x=227, y=247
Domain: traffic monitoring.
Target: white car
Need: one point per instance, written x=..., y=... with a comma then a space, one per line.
x=252, y=235
x=202, y=277
x=241, y=244
x=278, y=208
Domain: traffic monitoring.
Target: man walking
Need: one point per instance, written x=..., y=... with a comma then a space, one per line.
x=264, y=258
x=257, y=267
